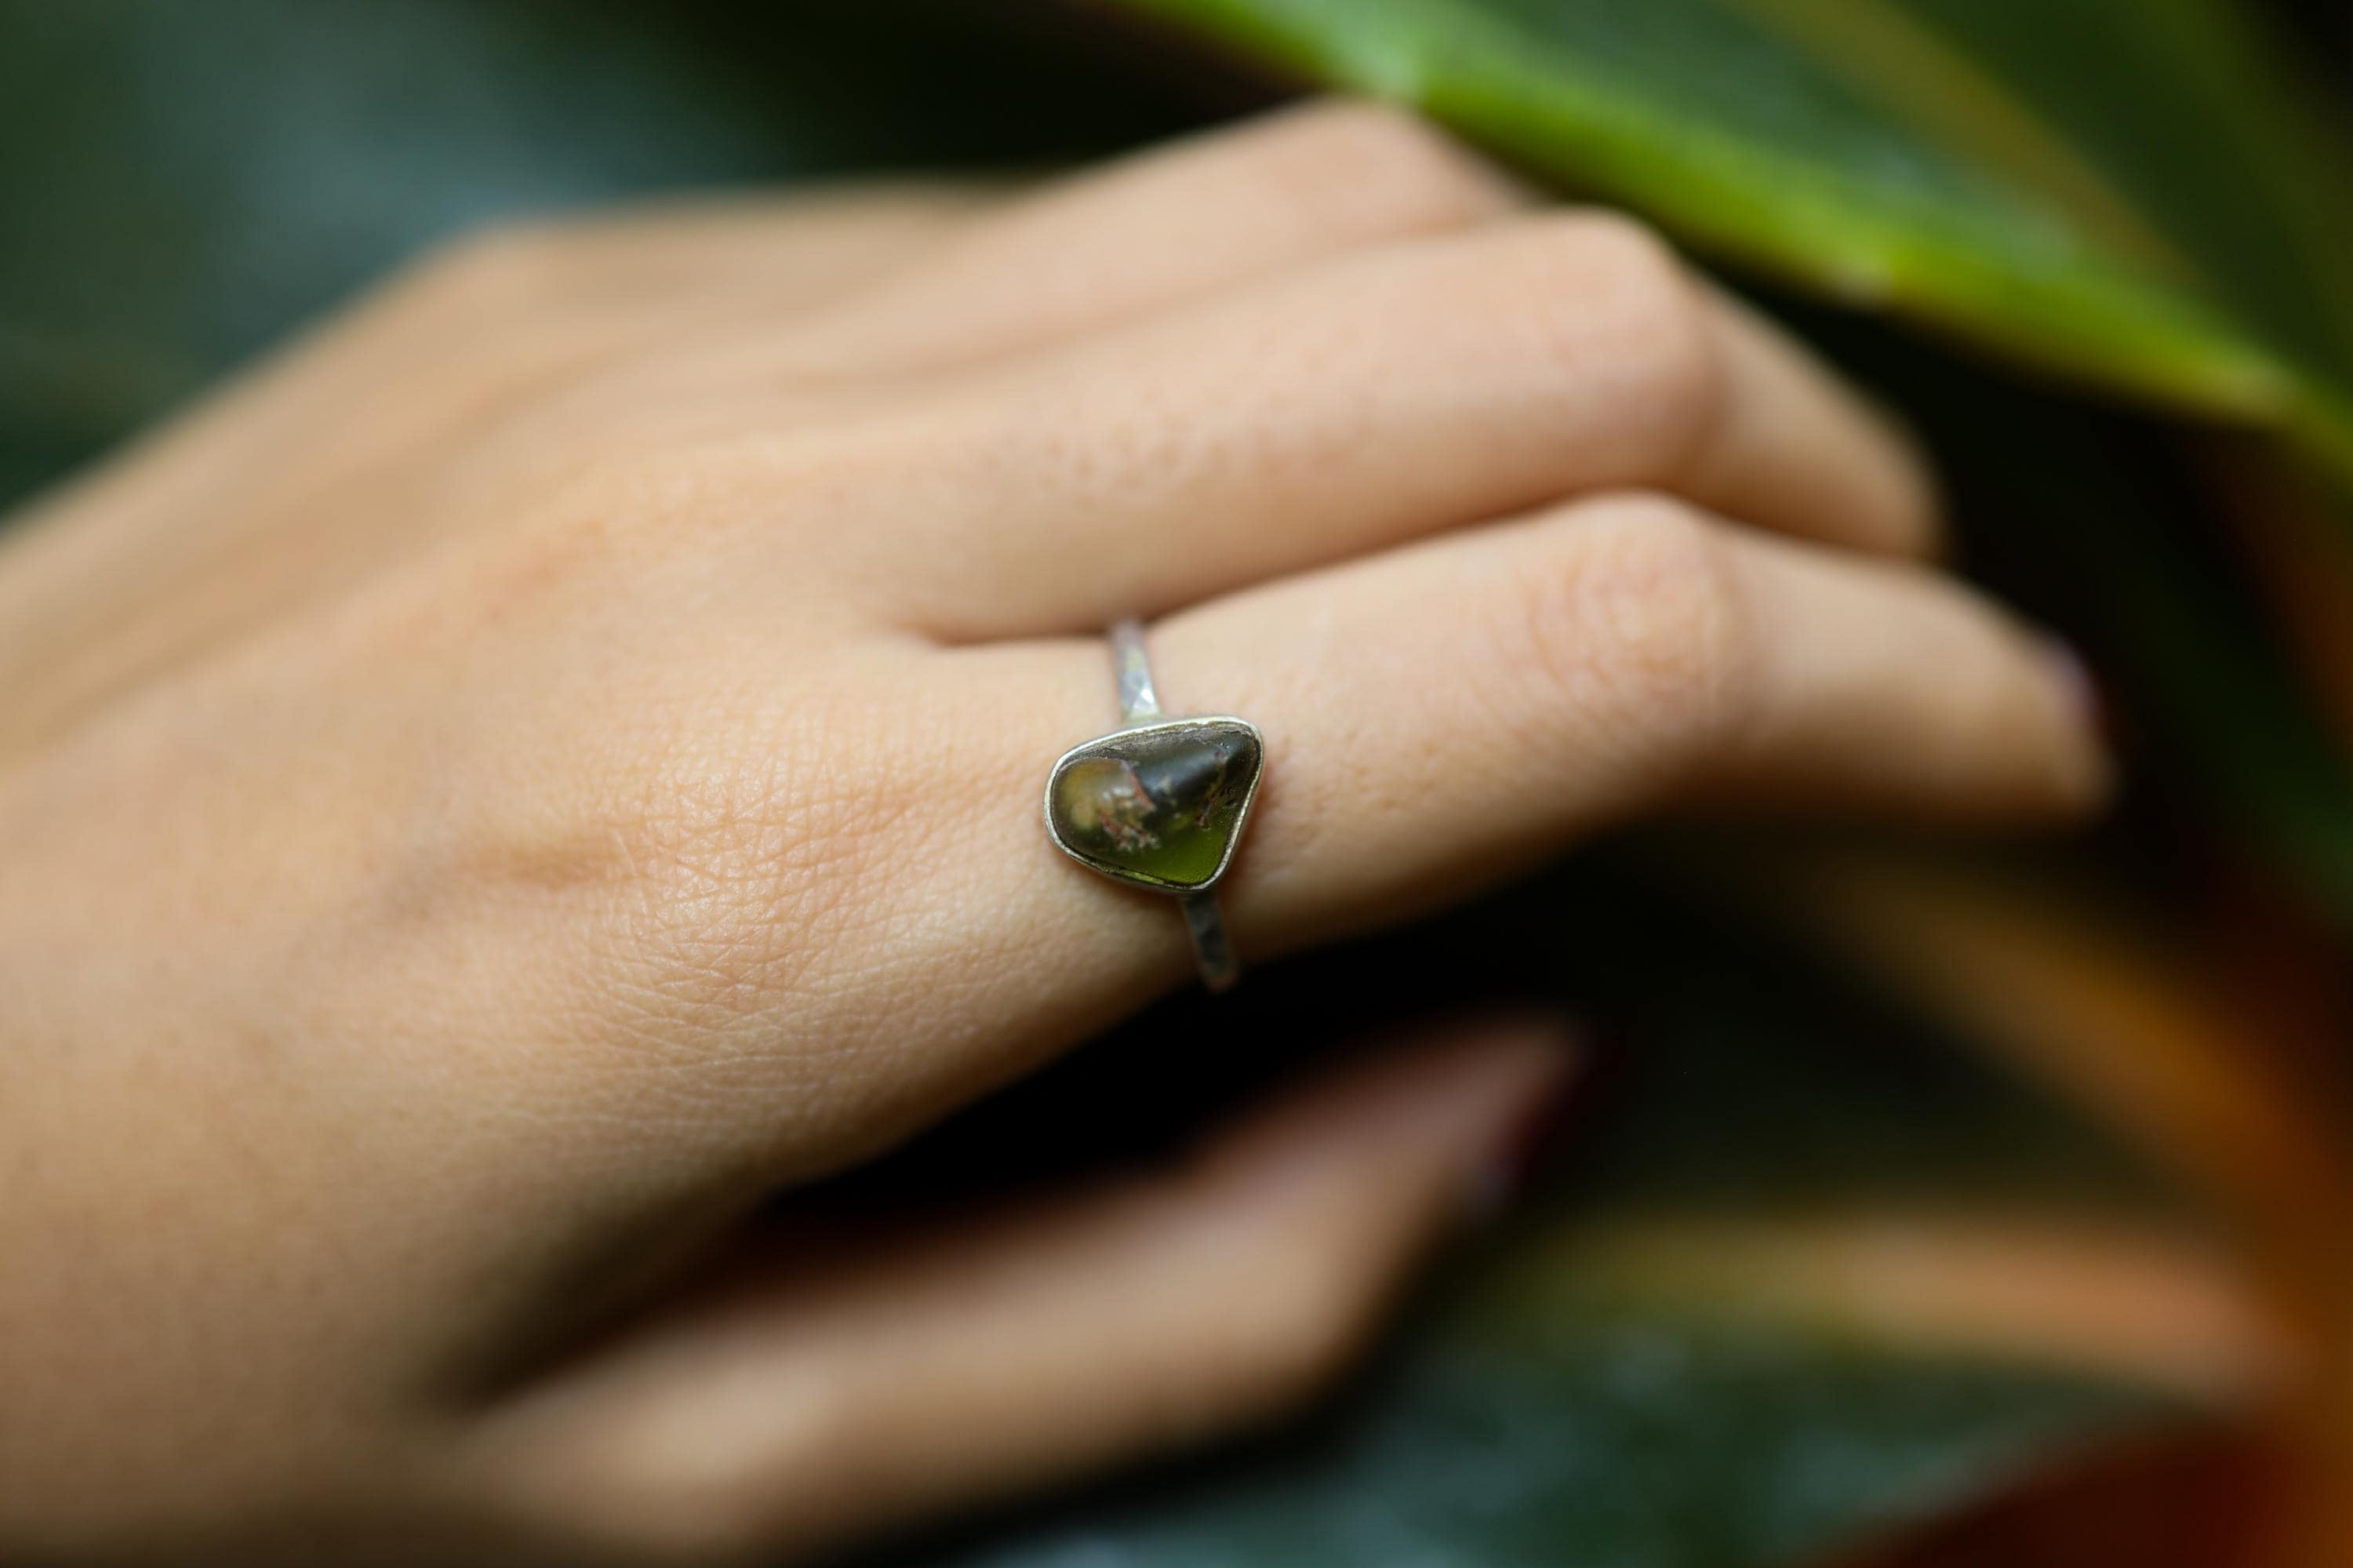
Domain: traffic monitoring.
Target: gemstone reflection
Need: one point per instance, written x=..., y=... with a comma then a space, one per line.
x=1159, y=805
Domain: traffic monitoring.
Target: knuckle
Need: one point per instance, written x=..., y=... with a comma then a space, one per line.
x=1631, y=325
x=1631, y=260
x=565, y=538
x=1641, y=628
x=620, y=487
x=494, y=267
x=1385, y=160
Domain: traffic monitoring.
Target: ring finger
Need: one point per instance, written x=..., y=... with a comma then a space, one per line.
x=1435, y=716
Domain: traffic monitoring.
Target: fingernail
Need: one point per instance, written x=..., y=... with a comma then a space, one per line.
x=2079, y=689
x=1522, y=1150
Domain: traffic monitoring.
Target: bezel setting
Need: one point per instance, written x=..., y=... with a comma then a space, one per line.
x=1104, y=745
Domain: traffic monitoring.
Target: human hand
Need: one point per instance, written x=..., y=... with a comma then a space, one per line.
x=556, y=761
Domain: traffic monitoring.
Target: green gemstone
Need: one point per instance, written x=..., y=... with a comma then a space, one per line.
x=1161, y=804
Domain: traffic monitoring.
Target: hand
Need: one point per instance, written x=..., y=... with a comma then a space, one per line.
x=556, y=761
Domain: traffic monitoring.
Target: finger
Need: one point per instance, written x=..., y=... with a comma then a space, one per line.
x=1472, y=703
x=822, y=1396
x=1345, y=407
x=1444, y=715
x=1436, y=718
x=1164, y=226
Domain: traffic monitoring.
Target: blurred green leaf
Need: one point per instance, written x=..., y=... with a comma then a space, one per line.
x=2117, y=191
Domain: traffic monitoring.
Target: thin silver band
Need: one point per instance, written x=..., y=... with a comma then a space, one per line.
x=1140, y=704
x=1131, y=667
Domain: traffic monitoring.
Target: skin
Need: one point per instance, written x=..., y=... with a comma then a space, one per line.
x=552, y=761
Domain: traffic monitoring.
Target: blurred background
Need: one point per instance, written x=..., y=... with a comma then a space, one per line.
x=1932, y=1205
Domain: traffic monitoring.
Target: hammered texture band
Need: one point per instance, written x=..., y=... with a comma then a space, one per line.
x=1160, y=802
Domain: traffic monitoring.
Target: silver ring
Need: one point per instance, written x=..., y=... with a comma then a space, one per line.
x=1160, y=802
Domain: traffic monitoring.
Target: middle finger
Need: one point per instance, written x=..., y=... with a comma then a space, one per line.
x=1351, y=406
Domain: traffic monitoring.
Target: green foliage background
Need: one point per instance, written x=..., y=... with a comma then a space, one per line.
x=184, y=184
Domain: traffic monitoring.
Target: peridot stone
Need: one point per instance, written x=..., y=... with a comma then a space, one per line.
x=1161, y=804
